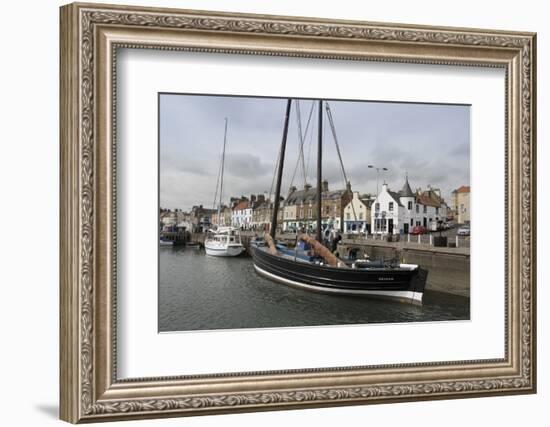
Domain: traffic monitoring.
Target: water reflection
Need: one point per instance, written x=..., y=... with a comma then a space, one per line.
x=203, y=293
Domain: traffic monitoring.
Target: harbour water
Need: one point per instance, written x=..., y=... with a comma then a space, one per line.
x=197, y=292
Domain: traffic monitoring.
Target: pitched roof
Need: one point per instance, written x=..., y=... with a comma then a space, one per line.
x=334, y=194
x=395, y=196
x=406, y=190
x=299, y=196
x=267, y=204
x=463, y=189
x=429, y=198
x=241, y=206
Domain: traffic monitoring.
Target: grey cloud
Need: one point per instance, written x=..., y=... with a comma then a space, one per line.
x=244, y=165
x=430, y=142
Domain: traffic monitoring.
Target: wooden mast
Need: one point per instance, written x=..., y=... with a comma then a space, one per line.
x=319, y=170
x=280, y=173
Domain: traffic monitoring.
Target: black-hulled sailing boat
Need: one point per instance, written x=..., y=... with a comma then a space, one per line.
x=312, y=266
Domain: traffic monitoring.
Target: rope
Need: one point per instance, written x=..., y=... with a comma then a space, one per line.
x=333, y=129
x=302, y=138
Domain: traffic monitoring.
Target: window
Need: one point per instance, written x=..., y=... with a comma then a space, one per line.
x=360, y=215
x=425, y=208
x=410, y=205
x=412, y=222
x=377, y=207
x=437, y=211
x=417, y=208
x=390, y=206
x=348, y=216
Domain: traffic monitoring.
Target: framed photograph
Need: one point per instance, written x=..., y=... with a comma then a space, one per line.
x=267, y=212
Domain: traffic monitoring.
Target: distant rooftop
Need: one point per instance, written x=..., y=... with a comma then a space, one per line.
x=463, y=189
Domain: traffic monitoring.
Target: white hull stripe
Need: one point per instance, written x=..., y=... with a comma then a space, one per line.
x=403, y=295
x=224, y=252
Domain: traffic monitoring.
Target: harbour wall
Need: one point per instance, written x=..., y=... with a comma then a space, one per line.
x=448, y=268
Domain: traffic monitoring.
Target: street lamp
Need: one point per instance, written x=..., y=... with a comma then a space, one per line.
x=377, y=175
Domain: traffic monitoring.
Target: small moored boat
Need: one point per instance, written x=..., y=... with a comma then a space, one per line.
x=166, y=242
x=225, y=241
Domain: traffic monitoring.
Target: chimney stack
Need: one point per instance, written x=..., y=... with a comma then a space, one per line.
x=325, y=186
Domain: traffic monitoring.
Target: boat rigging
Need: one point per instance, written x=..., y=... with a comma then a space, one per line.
x=311, y=265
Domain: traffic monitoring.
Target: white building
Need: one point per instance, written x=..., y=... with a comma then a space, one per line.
x=357, y=214
x=241, y=216
x=398, y=212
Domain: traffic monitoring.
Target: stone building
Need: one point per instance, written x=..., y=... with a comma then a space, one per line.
x=262, y=215
x=333, y=204
x=300, y=208
x=201, y=218
x=223, y=218
x=460, y=204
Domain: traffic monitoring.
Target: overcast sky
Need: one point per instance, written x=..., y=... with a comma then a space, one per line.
x=430, y=142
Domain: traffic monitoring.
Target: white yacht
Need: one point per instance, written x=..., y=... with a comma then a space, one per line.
x=225, y=241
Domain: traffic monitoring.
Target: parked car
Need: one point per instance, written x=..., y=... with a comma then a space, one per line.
x=419, y=230
x=463, y=230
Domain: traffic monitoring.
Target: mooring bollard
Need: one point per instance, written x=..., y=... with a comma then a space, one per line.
x=457, y=241
x=431, y=240
x=408, y=238
x=419, y=238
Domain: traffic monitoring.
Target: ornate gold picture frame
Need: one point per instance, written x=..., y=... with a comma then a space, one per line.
x=90, y=37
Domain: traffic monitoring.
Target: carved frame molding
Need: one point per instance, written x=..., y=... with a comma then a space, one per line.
x=90, y=36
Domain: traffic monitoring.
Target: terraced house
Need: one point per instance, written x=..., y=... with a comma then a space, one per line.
x=300, y=208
